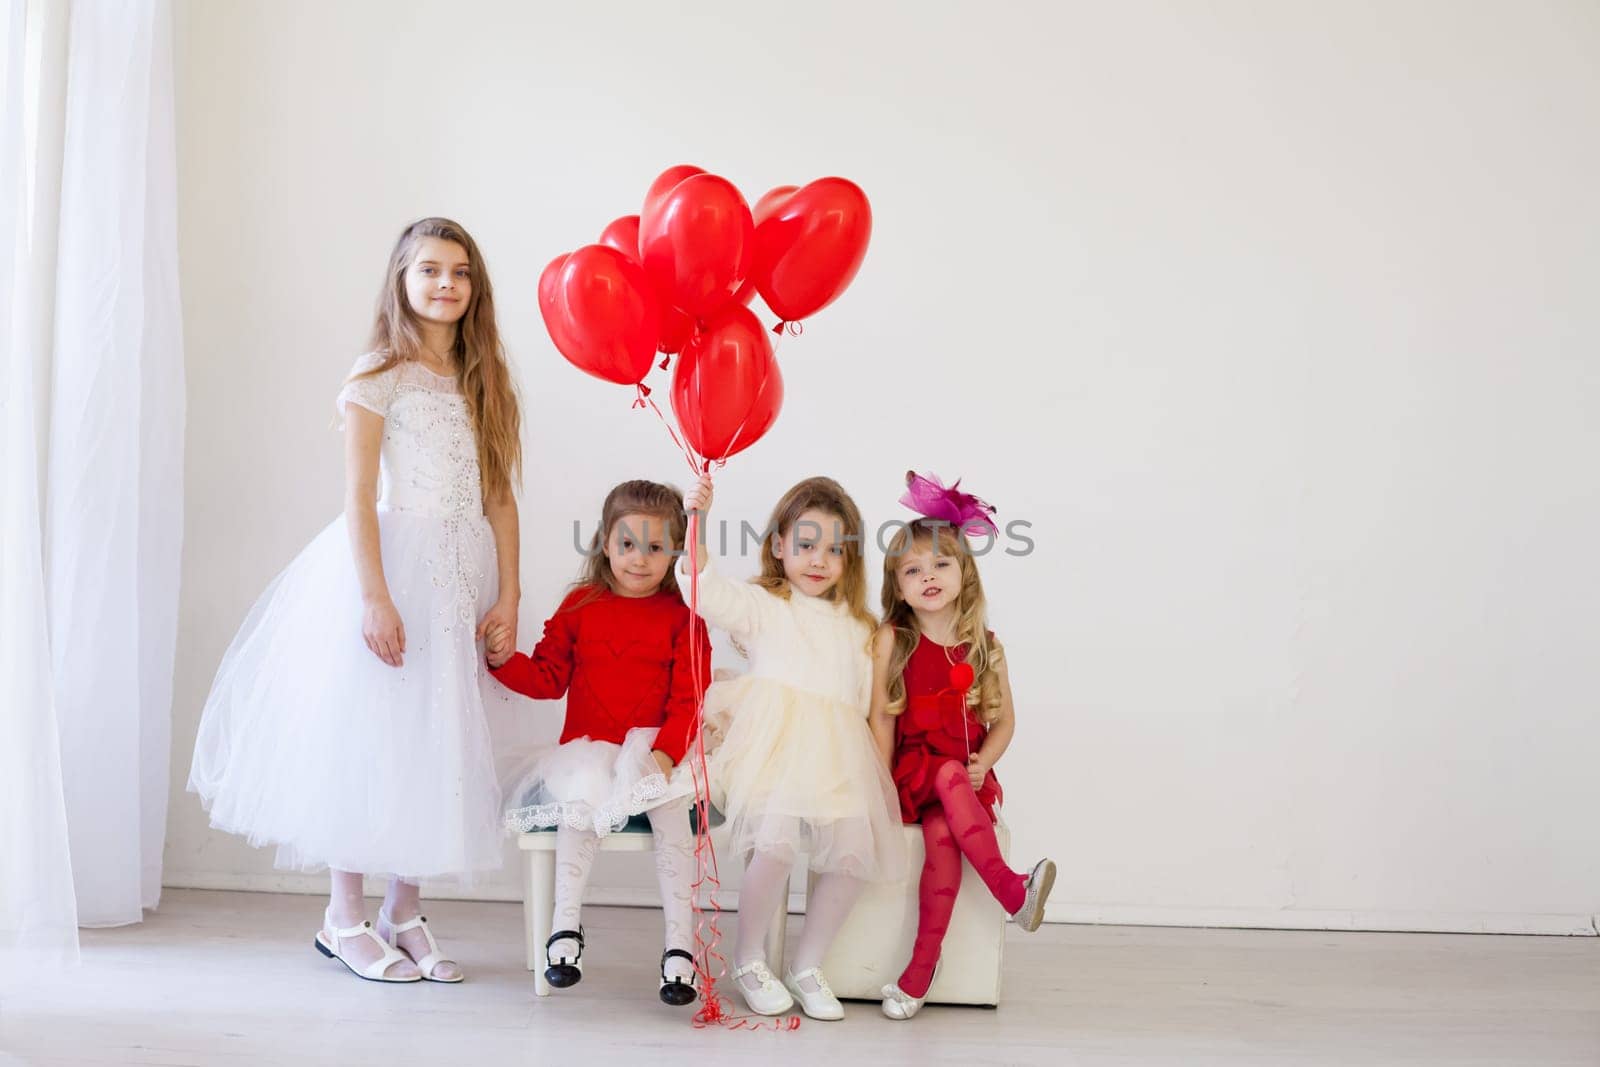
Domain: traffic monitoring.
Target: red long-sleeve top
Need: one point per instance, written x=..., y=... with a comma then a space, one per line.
x=622, y=662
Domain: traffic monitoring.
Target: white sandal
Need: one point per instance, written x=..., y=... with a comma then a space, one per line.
x=434, y=957
x=372, y=972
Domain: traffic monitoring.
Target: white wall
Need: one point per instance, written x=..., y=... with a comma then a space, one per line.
x=1278, y=322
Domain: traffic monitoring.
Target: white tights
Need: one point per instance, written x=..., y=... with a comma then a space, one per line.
x=575, y=852
x=765, y=888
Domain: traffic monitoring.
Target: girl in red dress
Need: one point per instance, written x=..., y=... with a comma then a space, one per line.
x=942, y=716
x=620, y=649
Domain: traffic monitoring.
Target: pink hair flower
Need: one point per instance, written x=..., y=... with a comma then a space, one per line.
x=929, y=497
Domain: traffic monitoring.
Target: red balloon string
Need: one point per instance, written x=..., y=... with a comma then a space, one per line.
x=709, y=963
x=642, y=396
x=794, y=327
x=749, y=1022
x=688, y=453
x=707, y=935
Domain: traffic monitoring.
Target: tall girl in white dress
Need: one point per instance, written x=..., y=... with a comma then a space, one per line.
x=346, y=724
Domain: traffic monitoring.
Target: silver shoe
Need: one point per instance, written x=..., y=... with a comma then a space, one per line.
x=898, y=1004
x=1040, y=882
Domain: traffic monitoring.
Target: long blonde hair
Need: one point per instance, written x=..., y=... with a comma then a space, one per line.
x=972, y=610
x=820, y=494
x=637, y=497
x=485, y=377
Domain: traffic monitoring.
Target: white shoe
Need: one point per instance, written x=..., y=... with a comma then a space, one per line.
x=821, y=1005
x=434, y=957
x=768, y=998
x=1031, y=914
x=898, y=1004
x=327, y=942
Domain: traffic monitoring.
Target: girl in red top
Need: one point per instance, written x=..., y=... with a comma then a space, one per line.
x=619, y=648
x=942, y=716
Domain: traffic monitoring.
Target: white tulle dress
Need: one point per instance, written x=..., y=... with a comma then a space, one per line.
x=311, y=743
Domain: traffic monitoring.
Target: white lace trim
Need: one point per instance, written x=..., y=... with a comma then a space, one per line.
x=377, y=391
x=374, y=393
x=606, y=819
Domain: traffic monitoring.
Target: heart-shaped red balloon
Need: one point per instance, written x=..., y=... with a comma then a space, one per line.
x=623, y=235
x=726, y=387
x=809, y=248
x=601, y=313
x=676, y=327
x=771, y=201
x=961, y=676
x=765, y=208
x=547, y=285
x=695, y=242
x=668, y=180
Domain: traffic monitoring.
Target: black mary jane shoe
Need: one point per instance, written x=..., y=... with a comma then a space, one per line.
x=563, y=973
x=676, y=991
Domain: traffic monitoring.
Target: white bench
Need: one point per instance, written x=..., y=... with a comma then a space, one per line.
x=539, y=893
x=874, y=945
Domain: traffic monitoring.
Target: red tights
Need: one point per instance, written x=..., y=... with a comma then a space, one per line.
x=954, y=827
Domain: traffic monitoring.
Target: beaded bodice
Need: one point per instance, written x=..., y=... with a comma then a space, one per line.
x=428, y=463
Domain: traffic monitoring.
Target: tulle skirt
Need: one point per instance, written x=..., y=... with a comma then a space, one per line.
x=796, y=773
x=311, y=743
x=591, y=785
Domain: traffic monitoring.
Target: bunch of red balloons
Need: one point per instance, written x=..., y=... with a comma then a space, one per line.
x=677, y=278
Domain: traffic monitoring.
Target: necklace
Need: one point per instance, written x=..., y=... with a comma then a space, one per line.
x=431, y=358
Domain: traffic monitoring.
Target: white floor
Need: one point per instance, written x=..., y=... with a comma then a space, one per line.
x=232, y=979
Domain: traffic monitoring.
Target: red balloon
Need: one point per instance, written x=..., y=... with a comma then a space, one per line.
x=623, y=235
x=726, y=387
x=696, y=241
x=769, y=204
x=602, y=314
x=668, y=180
x=547, y=285
x=765, y=208
x=809, y=249
x=676, y=329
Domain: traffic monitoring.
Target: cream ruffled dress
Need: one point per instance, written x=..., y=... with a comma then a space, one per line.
x=793, y=765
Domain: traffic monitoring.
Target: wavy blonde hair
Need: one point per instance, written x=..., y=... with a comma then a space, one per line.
x=637, y=497
x=485, y=377
x=972, y=611
x=825, y=495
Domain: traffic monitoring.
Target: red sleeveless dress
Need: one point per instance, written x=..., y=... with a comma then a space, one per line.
x=929, y=732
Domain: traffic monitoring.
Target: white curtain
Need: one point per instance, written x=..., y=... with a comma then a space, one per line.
x=38, y=915
x=95, y=354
